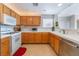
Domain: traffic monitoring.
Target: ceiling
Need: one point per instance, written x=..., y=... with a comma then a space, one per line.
x=42, y=8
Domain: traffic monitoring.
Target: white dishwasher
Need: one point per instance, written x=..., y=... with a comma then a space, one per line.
x=68, y=48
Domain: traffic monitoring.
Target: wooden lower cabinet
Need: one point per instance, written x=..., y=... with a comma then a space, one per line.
x=57, y=45
x=5, y=46
x=27, y=38
x=37, y=37
x=52, y=41
x=31, y=38
x=55, y=42
x=45, y=37
x=42, y=37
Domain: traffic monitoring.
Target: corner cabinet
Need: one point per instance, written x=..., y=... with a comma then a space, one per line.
x=30, y=20
x=55, y=42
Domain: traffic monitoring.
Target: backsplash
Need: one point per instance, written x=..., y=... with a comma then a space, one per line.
x=5, y=28
x=25, y=28
x=72, y=31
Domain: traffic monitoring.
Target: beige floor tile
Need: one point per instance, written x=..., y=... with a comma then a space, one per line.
x=38, y=50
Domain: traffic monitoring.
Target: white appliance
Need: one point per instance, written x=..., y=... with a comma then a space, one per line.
x=16, y=42
x=9, y=20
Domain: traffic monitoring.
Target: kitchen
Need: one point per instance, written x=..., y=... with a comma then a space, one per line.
x=39, y=29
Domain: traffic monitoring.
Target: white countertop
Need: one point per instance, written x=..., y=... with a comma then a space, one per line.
x=71, y=37
x=7, y=35
x=3, y=36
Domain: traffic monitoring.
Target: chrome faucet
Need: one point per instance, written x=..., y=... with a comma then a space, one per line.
x=63, y=31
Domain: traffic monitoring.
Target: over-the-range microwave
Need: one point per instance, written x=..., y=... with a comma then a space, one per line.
x=9, y=20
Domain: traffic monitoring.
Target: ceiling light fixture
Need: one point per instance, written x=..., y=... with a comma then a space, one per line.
x=60, y=4
x=35, y=4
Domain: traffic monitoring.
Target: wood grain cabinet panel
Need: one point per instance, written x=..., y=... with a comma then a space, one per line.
x=1, y=7
x=25, y=37
x=23, y=20
x=52, y=41
x=31, y=38
x=29, y=20
x=1, y=11
x=6, y=10
x=5, y=46
x=18, y=20
x=37, y=37
x=36, y=20
x=13, y=14
x=45, y=37
x=55, y=42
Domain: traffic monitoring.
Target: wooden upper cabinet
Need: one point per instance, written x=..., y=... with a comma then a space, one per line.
x=6, y=10
x=17, y=19
x=13, y=14
x=29, y=20
x=36, y=20
x=23, y=20
x=5, y=46
x=1, y=8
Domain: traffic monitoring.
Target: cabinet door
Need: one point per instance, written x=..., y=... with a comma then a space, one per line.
x=57, y=44
x=31, y=38
x=17, y=19
x=1, y=10
x=13, y=14
x=23, y=20
x=37, y=37
x=6, y=10
x=45, y=37
x=1, y=7
x=36, y=20
x=25, y=37
x=52, y=40
x=29, y=20
x=5, y=46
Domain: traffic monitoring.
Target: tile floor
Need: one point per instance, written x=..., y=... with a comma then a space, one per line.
x=38, y=50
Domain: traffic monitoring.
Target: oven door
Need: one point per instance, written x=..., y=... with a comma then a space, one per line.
x=16, y=42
